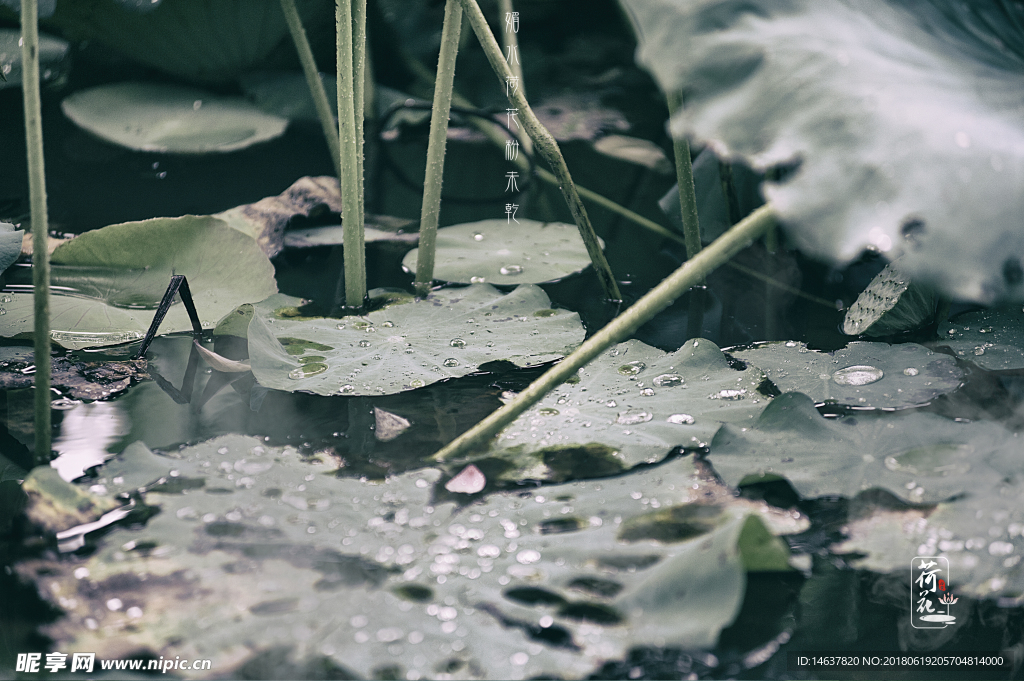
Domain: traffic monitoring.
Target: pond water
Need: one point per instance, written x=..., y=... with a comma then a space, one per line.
x=558, y=607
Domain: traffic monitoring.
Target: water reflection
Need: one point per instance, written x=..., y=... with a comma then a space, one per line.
x=86, y=433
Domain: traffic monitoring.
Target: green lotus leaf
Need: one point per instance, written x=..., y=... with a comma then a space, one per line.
x=919, y=457
x=633, y=404
x=495, y=252
x=52, y=53
x=992, y=339
x=450, y=333
x=890, y=304
x=864, y=375
x=108, y=282
x=899, y=123
x=10, y=244
x=286, y=93
x=170, y=118
x=257, y=543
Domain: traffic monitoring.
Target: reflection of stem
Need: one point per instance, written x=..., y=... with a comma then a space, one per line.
x=183, y=396
x=546, y=145
x=656, y=300
x=37, y=201
x=431, y=208
x=316, y=86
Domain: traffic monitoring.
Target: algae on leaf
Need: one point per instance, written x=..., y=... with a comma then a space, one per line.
x=919, y=457
x=261, y=544
x=495, y=252
x=863, y=374
x=633, y=404
x=108, y=282
x=897, y=123
x=170, y=118
x=452, y=332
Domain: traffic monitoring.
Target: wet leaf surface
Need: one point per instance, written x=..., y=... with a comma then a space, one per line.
x=52, y=52
x=450, y=333
x=864, y=375
x=992, y=339
x=262, y=545
x=496, y=252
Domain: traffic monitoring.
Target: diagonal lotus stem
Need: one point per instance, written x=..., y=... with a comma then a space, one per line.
x=179, y=284
x=546, y=146
x=653, y=302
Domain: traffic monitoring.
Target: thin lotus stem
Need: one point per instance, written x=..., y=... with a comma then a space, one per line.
x=316, y=86
x=656, y=300
x=40, y=223
x=359, y=94
x=687, y=193
x=510, y=41
x=355, y=249
x=546, y=145
x=431, y=209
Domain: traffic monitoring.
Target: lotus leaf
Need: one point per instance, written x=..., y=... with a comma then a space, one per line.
x=635, y=150
x=52, y=52
x=170, y=118
x=992, y=339
x=10, y=244
x=495, y=252
x=897, y=123
x=450, y=333
x=864, y=375
x=107, y=282
x=260, y=544
x=286, y=93
x=634, y=404
x=920, y=457
x=890, y=304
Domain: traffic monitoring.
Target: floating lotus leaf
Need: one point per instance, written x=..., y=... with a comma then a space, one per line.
x=865, y=375
x=170, y=118
x=496, y=252
x=992, y=339
x=898, y=123
x=450, y=333
x=10, y=244
x=890, y=304
x=260, y=544
x=919, y=457
x=108, y=282
x=52, y=52
x=634, y=404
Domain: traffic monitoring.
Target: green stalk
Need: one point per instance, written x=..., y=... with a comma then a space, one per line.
x=691, y=223
x=355, y=249
x=40, y=227
x=431, y=209
x=358, y=103
x=656, y=300
x=316, y=86
x=546, y=145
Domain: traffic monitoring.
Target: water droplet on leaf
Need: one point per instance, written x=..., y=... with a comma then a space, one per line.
x=859, y=374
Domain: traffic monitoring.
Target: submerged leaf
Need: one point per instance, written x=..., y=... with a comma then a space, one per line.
x=108, y=282
x=864, y=375
x=450, y=333
x=252, y=544
x=170, y=118
x=897, y=123
x=890, y=304
x=992, y=339
x=497, y=252
x=633, y=404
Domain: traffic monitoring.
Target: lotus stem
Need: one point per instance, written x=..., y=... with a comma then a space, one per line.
x=430, y=211
x=546, y=146
x=656, y=300
x=351, y=197
x=691, y=223
x=316, y=86
x=40, y=224
x=359, y=99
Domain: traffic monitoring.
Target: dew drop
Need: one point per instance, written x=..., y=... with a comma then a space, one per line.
x=457, y=343
x=647, y=392
x=548, y=411
x=416, y=383
x=364, y=343
x=979, y=350
x=347, y=389
x=859, y=374
x=477, y=280
x=611, y=403
x=681, y=419
x=307, y=370
x=361, y=325
x=790, y=344
x=6, y=299
x=632, y=417
x=667, y=380
x=477, y=236
x=451, y=362
x=340, y=327
x=511, y=270
x=729, y=394
x=388, y=325
x=984, y=329
x=911, y=371
x=632, y=368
